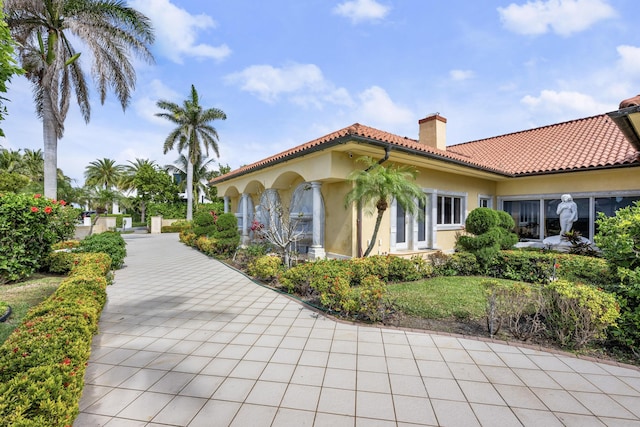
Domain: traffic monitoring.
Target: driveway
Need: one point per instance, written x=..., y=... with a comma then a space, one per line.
x=187, y=341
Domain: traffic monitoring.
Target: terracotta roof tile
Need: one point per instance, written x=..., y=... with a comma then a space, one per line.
x=591, y=142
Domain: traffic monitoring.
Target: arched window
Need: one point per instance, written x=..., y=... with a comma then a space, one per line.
x=267, y=212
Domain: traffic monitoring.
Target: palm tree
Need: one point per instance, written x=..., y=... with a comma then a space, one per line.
x=380, y=184
x=201, y=173
x=192, y=129
x=104, y=174
x=45, y=29
x=129, y=172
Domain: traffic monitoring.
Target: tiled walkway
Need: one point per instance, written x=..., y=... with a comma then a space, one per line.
x=186, y=341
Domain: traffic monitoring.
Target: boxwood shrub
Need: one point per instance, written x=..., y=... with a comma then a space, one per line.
x=42, y=363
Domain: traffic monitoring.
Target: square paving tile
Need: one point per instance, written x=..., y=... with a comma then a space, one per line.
x=222, y=412
x=267, y=393
x=301, y=397
x=337, y=401
x=180, y=410
x=146, y=406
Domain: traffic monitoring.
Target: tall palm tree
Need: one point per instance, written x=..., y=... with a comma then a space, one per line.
x=380, y=184
x=201, y=173
x=192, y=129
x=44, y=29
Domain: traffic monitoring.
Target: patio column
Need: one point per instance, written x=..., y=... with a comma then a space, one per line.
x=226, y=204
x=245, y=219
x=316, y=251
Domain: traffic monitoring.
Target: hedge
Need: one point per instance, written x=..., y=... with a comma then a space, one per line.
x=42, y=363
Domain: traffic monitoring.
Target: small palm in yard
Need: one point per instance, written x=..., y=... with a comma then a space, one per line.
x=379, y=185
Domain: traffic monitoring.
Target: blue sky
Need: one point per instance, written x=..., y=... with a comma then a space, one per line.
x=286, y=72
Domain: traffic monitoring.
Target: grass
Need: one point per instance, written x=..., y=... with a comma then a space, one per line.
x=447, y=297
x=24, y=295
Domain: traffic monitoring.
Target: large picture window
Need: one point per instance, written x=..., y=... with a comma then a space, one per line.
x=529, y=216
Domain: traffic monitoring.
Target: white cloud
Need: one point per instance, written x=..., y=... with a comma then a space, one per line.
x=629, y=62
x=145, y=106
x=459, y=75
x=378, y=109
x=177, y=31
x=564, y=103
x=304, y=84
x=362, y=10
x=564, y=17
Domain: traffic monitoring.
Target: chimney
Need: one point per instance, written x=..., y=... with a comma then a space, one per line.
x=433, y=131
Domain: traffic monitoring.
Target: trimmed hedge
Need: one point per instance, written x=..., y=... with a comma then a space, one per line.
x=42, y=363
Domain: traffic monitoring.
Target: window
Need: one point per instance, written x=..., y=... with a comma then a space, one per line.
x=449, y=210
x=401, y=224
x=485, y=201
x=526, y=215
x=537, y=219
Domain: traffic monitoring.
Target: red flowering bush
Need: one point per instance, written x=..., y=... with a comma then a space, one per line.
x=29, y=225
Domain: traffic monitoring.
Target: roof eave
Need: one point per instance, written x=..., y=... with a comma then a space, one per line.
x=628, y=121
x=362, y=139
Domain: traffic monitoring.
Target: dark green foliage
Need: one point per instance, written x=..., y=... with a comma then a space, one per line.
x=204, y=223
x=110, y=243
x=627, y=332
x=402, y=270
x=29, y=225
x=226, y=226
x=481, y=220
x=491, y=231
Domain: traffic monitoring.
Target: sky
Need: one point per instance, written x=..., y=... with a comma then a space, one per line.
x=286, y=72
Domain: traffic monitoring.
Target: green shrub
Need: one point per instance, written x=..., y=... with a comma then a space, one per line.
x=619, y=236
x=481, y=220
x=296, y=279
x=174, y=228
x=42, y=363
x=29, y=225
x=517, y=305
x=577, y=314
x=334, y=291
x=491, y=231
x=66, y=244
x=59, y=262
x=188, y=238
x=402, y=270
x=204, y=223
x=371, y=298
x=110, y=243
x=265, y=267
x=626, y=333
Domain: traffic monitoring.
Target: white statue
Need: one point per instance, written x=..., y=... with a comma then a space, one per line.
x=567, y=212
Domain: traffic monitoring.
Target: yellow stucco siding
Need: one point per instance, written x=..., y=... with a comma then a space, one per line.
x=339, y=221
x=606, y=180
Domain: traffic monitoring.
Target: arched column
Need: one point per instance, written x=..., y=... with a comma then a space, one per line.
x=226, y=204
x=316, y=251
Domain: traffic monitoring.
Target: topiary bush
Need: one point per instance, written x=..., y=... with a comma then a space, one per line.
x=108, y=242
x=29, y=225
x=491, y=231
x=204, y=223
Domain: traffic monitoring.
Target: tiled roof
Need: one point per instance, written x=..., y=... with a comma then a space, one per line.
x=591, y=142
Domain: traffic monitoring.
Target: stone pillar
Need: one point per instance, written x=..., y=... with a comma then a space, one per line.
x=316, y=251
x=245, y=219
x=156, y=224
x=226, y=204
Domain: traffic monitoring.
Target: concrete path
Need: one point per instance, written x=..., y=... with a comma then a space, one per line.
x=186, y=341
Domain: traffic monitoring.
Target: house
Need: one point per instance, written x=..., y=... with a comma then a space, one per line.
x=523, y=173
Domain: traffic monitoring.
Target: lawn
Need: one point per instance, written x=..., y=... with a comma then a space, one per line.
x=24, y=295
x=442, y=298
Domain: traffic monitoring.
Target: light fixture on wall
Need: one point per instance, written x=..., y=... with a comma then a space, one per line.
x=350, y=154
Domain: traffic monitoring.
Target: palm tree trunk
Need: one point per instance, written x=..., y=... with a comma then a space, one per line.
x=375, y=233
x=50, y=148
x=189, y=189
